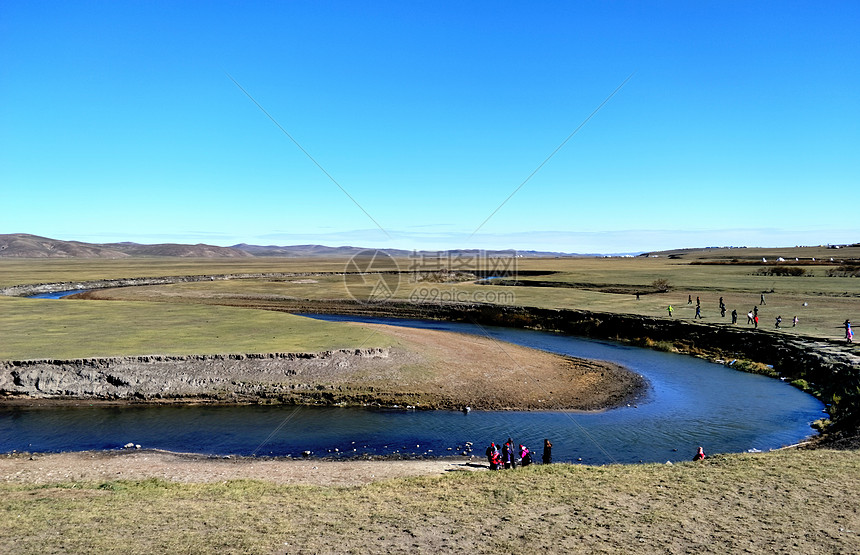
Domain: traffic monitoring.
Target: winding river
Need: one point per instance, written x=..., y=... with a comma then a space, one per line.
x=689, y=403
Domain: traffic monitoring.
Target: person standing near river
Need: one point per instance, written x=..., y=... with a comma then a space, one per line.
x=547, y=452
x=670, y=310
x=493, y=456
x=513, y=451
x=525, y=455
x=508, y=455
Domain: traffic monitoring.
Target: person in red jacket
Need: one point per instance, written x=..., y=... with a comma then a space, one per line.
x=495, y=460
x=700, y=455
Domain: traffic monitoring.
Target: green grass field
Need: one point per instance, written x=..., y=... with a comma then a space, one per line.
x=38, y=329
x=69, y=328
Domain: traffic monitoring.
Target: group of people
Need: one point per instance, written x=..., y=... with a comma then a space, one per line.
x=752, y=315
x=506, y=457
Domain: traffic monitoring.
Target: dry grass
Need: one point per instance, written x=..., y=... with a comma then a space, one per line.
x=787, y=502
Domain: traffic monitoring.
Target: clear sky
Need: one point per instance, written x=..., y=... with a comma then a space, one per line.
x=740, y=125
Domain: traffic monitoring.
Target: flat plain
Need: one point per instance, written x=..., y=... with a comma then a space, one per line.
x=790, y=501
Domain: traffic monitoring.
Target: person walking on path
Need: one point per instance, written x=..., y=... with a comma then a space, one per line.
x=734, y=316
x=755, y=321
x=750, y=317
x=778, y=321
x=698, y=302
x=547, y=451
x=723, y=311
x=698, y=312
x=670, y=309
x=849, y=333
x=762, y=299
x=689, y=299
x=794, y=322
x=755, y=311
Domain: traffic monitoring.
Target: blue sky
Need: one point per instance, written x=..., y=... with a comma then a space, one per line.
x=740, y=124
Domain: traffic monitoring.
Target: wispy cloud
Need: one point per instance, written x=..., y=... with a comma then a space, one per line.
x=609, y=241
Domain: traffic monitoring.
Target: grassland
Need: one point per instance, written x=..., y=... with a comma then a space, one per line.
x=792, y=501
x=40, y=329
x=781, y=502
x=598, y=284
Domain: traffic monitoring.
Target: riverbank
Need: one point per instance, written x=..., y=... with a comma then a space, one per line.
x=426, y=369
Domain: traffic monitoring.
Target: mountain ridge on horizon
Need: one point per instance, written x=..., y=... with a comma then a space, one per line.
x=23, y=245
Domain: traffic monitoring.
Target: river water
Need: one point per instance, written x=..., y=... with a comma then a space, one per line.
x=57, y=294
x=689, y=403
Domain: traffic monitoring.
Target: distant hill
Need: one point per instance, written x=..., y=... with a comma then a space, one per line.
x=304, y=251
x=22, y=245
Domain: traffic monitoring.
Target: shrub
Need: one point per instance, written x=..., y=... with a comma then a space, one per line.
x=845, y=270
x=780, y=271
x=801, y=384
x=647, y=342
x=660, y=285
x=755, y=368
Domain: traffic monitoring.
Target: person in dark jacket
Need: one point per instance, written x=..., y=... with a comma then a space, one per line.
x=507, y=455
x=547, y=451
